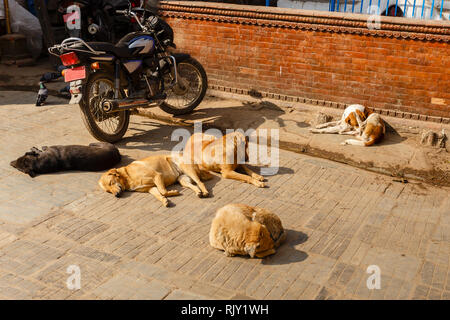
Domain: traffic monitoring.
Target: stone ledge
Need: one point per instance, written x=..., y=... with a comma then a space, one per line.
x=332, y=104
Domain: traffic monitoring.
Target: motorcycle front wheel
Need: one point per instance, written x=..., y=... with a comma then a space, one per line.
x=108, y=127
x=190, y=89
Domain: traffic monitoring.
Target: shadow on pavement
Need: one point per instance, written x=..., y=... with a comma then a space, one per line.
x=156, y=138
x=287, y=253
x=236, y=117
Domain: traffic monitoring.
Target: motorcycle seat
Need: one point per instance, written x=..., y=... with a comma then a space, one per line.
x=120, y=50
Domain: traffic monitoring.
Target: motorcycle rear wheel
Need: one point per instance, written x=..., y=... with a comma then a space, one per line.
x=185, y=96
x=102, y=126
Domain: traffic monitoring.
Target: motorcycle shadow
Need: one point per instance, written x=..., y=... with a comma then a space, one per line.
x=248, y=115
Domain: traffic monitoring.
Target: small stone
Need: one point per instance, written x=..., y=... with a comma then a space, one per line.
x=433, y=139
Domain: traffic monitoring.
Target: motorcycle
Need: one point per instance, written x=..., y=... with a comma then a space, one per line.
x=140, y=71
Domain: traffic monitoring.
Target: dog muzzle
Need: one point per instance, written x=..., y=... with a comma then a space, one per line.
x=118, y=193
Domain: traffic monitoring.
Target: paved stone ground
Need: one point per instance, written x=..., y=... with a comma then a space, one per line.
x=339, y=220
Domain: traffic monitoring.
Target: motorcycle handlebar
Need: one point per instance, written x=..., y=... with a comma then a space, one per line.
x=122, y=11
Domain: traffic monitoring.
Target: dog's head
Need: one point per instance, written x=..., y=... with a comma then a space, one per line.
x=27, y=163
x=351, y=119
x=258, y=239
x=112, y=182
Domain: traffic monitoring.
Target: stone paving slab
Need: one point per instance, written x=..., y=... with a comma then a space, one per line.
x=339, y=220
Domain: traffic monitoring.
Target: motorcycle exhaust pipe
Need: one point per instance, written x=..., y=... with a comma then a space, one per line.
x=110, y=106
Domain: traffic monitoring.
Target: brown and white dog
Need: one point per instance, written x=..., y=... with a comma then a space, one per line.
x=374, y=131
x=153, y=175
x=223, y=155
x=350, y=123
x=245, y=230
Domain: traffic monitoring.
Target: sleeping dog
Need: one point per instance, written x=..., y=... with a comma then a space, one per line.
x=222, y=155
x=245, y=230
x=350, y=123
x=95, y=157
x=153, y=174
x=374, y=131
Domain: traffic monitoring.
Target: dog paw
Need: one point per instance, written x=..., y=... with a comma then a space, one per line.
x=228, y=254
x=165, y=203
x=259, y=184
x=258, y=177
x=205, y=194
x=344, y=143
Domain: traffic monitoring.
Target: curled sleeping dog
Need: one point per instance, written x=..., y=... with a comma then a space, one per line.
x=223, y=155
x=373, y=131
x=245, y=230
x=95, y=157
x=350, y=123
x=153, y=174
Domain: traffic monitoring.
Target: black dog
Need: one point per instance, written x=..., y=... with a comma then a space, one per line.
x=95, y=157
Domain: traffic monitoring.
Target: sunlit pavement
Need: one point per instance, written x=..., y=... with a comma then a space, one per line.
x=339, y=221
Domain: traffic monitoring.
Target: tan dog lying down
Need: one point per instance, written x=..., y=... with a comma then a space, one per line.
x=241, y=229
x=223, y=155
x=374, y=131
x=153, y=175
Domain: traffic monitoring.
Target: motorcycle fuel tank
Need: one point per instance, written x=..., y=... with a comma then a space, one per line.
x=142, y=45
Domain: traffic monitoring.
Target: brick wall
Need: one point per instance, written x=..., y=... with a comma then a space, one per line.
x=318, y=55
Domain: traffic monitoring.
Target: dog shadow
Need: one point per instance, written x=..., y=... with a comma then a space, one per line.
x=392, y=136
x=241, y=116
x=124, y=161
x=284, y=170
x=149, y=136
x=287, y=253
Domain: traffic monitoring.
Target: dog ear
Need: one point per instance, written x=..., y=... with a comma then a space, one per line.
x=31, y=153
x=348, y=120
x=361, y=115
x=13, y=164
x=114, y=172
